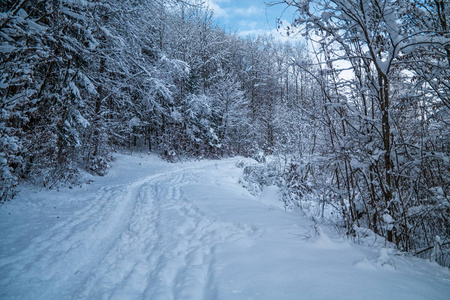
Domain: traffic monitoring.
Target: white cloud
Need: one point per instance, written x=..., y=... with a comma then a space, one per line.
x=219, y=12
x=279, y=34
x=248, y=11
x=248, y=24
x=253, y=32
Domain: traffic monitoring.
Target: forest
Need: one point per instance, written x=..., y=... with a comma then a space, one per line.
x=356, y=117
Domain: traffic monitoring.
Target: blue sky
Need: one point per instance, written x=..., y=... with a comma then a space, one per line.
x=250, y=17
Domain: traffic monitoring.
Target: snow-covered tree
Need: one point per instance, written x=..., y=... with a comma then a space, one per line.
x=397, y=54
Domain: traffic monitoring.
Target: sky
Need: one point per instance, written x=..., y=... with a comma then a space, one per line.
x=251, y=17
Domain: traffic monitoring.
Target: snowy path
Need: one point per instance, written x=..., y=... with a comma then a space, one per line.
x=153, y=230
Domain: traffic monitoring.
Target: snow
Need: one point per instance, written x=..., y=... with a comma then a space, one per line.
x=134, y=122
x=270, y=196
x=88, y=84
x=6, y=48
x=81, y=120
x=155, y=230
x=74, y=15
x=35, y=26
x=75, y=90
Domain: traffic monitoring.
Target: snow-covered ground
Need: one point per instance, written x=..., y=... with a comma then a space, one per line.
x=155, y=230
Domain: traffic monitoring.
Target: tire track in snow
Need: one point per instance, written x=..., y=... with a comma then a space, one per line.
x=186, y=268
x=53, y=254
x=167, y=249
x=54, y=247
x=146, y=240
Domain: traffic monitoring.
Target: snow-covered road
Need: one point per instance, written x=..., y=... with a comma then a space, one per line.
x=154, y=230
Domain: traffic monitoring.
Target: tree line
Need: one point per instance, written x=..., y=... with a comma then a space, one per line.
x=82, y=78
x=381, y=153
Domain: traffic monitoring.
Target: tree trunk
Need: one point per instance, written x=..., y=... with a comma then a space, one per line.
x=386, y=136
